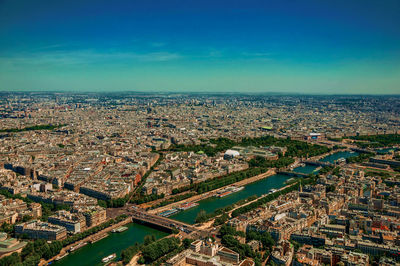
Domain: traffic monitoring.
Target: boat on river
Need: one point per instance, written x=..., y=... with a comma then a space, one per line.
x=188, y=205
x=229, y=190
x=109, y=258
x=78, y=246
x=119, y=229
x=169, y=212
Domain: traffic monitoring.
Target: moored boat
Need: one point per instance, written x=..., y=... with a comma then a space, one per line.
x=78, y=246
x=168, y=212
x=109, y=258
x=229, y=190
x=119, y=229
x=188, y=206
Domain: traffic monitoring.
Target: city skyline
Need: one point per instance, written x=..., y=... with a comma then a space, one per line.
x=189, y=179
x=307, y=47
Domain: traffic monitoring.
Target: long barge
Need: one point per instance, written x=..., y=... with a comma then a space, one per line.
x=229, y=190
x=119, y=229
x=187, y=205
x=169, y=212
x=78, y=246
x=182, y=207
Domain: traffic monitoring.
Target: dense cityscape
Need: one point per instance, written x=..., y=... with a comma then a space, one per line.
x=199, y=179
x=199, y=133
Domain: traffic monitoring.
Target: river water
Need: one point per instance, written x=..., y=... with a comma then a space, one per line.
x=211, y=204
x=307, y=169
x=385, y=150
x=341, y=154
x=257, y=188
x=91, y=254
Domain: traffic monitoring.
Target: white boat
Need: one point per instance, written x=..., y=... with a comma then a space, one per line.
x=229, y=190
x=109, y=258
x=238, y=189
x=119, y=229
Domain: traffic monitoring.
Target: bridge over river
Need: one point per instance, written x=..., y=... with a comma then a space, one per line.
x=294, y=174
x=363, y=150
x=141, y=216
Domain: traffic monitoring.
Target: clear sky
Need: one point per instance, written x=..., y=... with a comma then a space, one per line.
x=304, y=46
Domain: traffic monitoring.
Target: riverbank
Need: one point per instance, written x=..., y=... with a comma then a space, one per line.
x=212, y=204
x=244, y=182
x=92, y=254
x=209, y=194
x=87, y=239
x=209, y=224
x=134, y=260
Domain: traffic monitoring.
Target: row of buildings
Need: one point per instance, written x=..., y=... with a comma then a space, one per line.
x=180, y=169
x=62, y=223
x=208, y=253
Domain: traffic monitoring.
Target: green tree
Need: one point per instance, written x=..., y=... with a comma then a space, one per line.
x=186, y=243
x=26, y=218
x=149, y=239
x=201, y=217
x=102, y=203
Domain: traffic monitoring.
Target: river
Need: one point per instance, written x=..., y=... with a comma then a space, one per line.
x=211, y=204
x=91, y=254
x=307, y=169
x=257, y=188
x=385, y=150
x=337, y=155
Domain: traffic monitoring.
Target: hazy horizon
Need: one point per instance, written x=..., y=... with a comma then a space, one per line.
x=288, y=47
x=151, y=92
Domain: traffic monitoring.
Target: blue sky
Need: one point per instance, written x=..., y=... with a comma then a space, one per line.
x=284, y=46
